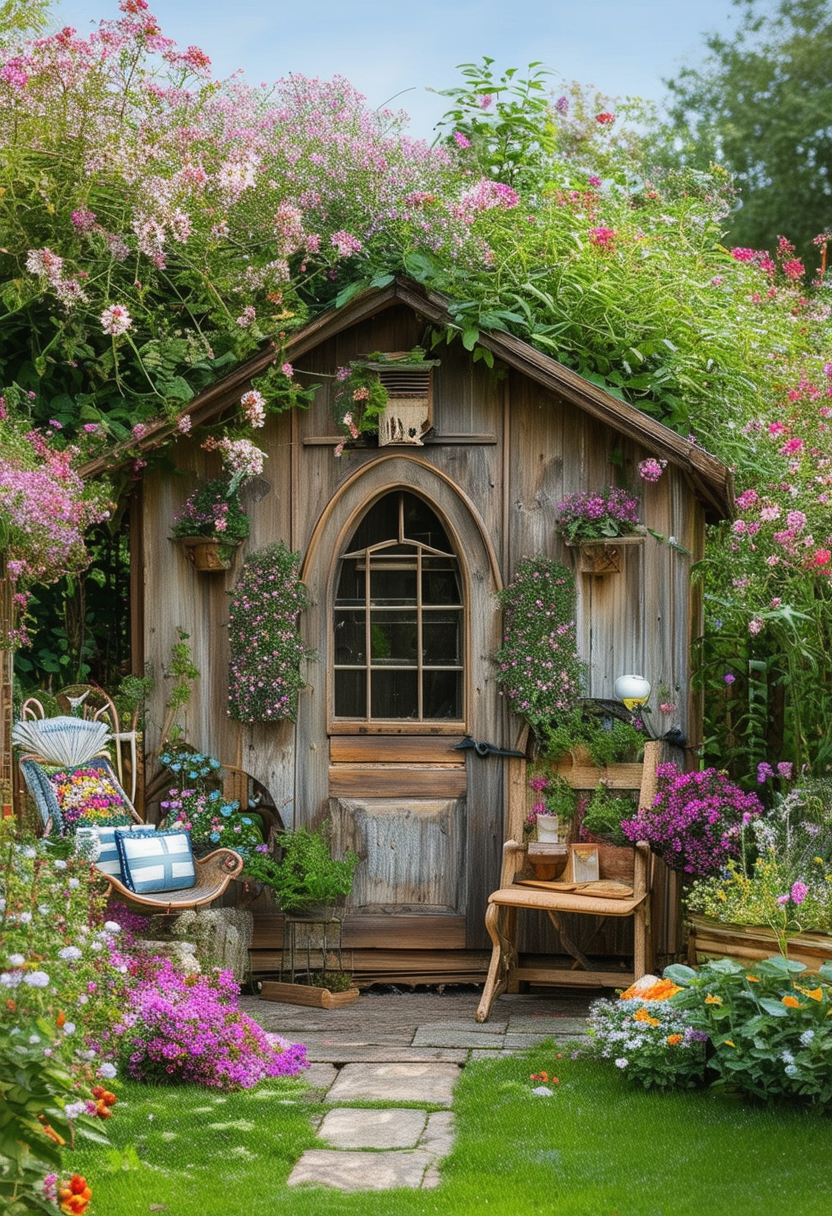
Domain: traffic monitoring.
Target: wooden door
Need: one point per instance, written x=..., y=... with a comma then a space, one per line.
x=405, y=623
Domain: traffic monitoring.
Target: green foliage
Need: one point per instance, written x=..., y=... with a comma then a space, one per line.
x=603, y=813
x=757, y=104
x=770, y=1025
x=214, y=510
x=505, y=121
x=608, y=740
x=182, y=671
x=649, y=1041
x=306, y=874
x=538, y=666
x=267, y=650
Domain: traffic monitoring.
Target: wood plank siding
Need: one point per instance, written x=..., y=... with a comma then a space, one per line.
x=427, y=819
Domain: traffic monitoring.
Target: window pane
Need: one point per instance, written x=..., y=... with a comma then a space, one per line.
x=422, y=525
x=442, y=694
x=349, y=636
x=394, y=637
x=351, y=694
x=395, y=694
x=351, y=582
x=393, y=586
x=440, y=582
x=442, y=638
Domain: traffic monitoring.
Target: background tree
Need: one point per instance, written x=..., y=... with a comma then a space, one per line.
x=760, y=105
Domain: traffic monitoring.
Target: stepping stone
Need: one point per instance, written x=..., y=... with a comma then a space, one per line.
x=388, y=1055
x=466, y=1026
x=405, y=1082
x=426, y=1036
x=439, y=1133
x=350, y=1128
x=557, y=1027
x=361, y=1171
x=519, y=1042
x=319, y=1076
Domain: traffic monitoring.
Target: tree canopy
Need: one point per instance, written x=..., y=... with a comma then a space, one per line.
x=759, y=104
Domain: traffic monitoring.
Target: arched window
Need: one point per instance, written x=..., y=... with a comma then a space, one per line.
x=398, y=618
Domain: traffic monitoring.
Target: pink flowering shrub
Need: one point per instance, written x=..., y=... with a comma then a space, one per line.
x=695, y=820
x=264, y=675
x=189, y=1028
x=538, y=668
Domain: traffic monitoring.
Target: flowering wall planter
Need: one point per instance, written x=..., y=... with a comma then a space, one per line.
x=603, y=556
x=207, y=554
x=717, y=939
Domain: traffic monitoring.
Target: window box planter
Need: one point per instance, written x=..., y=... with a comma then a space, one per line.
x=208, y=554
x=603, y=556
x=717, y=939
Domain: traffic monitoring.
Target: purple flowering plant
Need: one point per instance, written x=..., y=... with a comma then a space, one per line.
x=266, y=646
x=593, y=516
x=695, y=821
x=190, y=1028
x=212, y=510
x=195, y=802
x=538, y=667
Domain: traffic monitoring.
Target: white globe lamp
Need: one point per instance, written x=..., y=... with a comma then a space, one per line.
x=632, y=690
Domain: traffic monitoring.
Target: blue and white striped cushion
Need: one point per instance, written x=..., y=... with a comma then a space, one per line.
x=108, y=860
x=158, y=861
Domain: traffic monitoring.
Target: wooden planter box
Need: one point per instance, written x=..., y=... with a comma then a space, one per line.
x=306, y=994
x=716, y=939
x=208, y=555
x=603, y=556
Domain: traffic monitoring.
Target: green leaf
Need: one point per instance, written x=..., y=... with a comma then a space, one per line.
x=470, y=337
x=382, y=280
x=776, y=1008
x=352, y=289
x=679, y=974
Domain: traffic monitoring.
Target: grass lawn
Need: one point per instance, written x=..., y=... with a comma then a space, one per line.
x=597, y=1148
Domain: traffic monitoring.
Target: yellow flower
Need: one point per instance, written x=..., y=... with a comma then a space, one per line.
x=721, y=895
x=792, y=1002
x=673, y=1039
x=713, y=1000
x=818, y=860
x=728, y=1043
x=815, y=993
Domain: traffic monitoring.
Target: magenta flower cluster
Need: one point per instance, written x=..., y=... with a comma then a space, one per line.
x=539, y=670
x=266, y=647
x=190, y=1028
x=695, y=820
x=590, y=516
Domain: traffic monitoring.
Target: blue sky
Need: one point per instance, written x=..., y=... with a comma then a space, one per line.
x=386, y=47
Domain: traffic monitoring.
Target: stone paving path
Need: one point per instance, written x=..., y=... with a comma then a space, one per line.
x=401, y=1048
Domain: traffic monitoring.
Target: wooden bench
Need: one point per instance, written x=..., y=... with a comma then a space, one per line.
x=506, y=970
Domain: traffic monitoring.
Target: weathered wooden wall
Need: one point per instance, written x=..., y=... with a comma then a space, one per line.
x=504, y=454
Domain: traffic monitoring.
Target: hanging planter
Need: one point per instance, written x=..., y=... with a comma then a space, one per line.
x=208, y=554
x=602, y=556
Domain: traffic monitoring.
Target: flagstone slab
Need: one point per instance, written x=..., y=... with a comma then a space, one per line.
x=319, y=1076
x=361, y=1171
x=348, y=1128
x=396, y=1082
x=466, y=1039
x=555, y=1026
x=339, y=1054
x=438, y=1136
x=518, y=1042
x=466, y=1026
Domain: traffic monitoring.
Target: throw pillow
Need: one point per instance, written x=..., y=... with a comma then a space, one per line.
x=156, y=861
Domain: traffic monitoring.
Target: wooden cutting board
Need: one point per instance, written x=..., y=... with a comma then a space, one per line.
x=605, y=888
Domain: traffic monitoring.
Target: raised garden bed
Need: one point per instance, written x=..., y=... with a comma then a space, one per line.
x=716, y=939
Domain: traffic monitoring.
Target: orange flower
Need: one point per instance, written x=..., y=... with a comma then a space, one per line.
x=815, y=993
x=539, y=1076
x=75, y=1196
x=662, y=990
x=643, y=1016
x=673, y=1039
x=51, y=1133
x=753, y=979
x=61, y=1018
x=792, y=1002
x=713, y=1000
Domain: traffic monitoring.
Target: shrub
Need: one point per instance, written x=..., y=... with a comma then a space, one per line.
x=695, y=820
x=770, y=1026
x=655, y=1044
x=190, y=1028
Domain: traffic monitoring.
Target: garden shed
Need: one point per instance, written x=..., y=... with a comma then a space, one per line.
x=435, y=525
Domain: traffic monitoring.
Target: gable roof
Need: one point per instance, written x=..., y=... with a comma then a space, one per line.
x=711, y=479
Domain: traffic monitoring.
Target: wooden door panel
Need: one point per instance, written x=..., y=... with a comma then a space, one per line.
x=411, y=852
